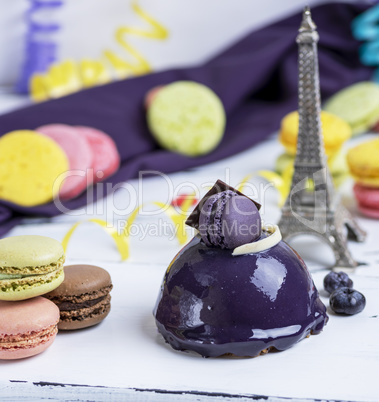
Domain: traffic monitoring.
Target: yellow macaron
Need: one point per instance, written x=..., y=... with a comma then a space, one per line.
x=32, y=168
x=363, y=163
x=335, y=132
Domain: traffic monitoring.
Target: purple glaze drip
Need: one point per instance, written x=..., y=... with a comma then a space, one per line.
x=213, y=303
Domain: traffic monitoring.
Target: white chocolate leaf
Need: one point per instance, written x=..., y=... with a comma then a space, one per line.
x=271, y=240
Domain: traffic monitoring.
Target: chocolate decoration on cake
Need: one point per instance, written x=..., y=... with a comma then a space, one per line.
x=218, y=187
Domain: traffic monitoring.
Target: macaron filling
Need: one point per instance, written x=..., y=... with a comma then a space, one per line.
x=210, y=220
x=72, y=303
x=216, y=236
x=83, y=298
x=24, y=271
x=82, y=313
x=29, y=281
x=28, y=340
x=69, y=306
x=27, y=327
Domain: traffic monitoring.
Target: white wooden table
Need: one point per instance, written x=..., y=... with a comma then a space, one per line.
x=125, y=358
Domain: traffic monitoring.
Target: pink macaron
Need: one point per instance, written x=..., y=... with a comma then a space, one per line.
x=80, y=156
x=106, y=157
x=27, y=327
x=369, y=212
x=368, y=200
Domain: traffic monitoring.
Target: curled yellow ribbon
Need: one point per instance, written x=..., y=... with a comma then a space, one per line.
x=244, y=181
x=69, y=76
x=124, y=68
x=178, y=218
x=122, y=239
x=281, y=183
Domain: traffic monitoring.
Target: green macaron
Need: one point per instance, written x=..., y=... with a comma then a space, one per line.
x=29, y=266
x=357, y=104
x=186, y=117
x=337, y=165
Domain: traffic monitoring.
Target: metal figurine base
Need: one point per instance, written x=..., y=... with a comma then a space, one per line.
x=312, y=206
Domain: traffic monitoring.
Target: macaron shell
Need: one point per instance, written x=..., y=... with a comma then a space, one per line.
x=32, y=168
x=242, y=211
x=84, y=296
x=363, y=160
x=14, y=354
x=216, y=234
x=106, y=157
x=335, y=132
x=29, y=254
x=79, y=154
x=19, y=289
x=366, y=196
x=222, y=217
x=82, y=280
x=369, y=212
x=88, y=317
x=366, y=181
x=205, y=218
x=23, y=319
x=186, y=117
x=337, y=163
x=27, y=316
x=376, y=127
x=357, y=104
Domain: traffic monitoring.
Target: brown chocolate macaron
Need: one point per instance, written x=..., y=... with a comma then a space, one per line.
x=83, y=297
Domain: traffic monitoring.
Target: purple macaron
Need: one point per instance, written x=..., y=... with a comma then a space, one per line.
x=228, y=220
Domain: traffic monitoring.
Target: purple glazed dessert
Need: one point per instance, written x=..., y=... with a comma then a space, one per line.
x=247, y=301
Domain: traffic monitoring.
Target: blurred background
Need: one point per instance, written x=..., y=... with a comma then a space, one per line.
x=197, y=29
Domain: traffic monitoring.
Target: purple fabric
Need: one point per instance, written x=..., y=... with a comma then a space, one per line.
x=256, y=80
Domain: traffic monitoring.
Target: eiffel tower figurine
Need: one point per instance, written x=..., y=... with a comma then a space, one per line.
x=312, y=206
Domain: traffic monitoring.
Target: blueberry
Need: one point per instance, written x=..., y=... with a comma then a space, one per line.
x=347, y=301
x=336, y=280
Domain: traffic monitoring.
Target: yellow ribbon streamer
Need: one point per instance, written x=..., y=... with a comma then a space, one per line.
x=242, y=185
x=124, y=68
x=121, y=240
x=281, y=183
x=178, y=218
x=69, y=76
